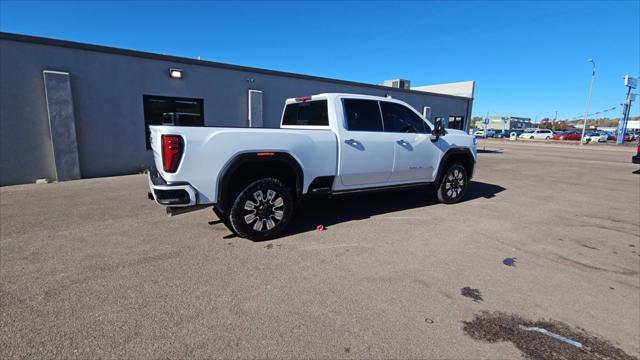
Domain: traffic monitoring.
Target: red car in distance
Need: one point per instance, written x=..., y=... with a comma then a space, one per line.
x=626, y=137
x=567, y=135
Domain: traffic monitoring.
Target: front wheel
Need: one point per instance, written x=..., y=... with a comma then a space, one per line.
x=453, y=184
x=262, y=210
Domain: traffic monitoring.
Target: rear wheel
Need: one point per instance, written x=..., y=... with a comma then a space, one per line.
x=531, y=138
x=547, y=138
x=262, y=210
x=453, y=184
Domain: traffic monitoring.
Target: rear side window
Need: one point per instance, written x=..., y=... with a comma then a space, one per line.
x=310, y=113
x=399, y=118
x=362, y=115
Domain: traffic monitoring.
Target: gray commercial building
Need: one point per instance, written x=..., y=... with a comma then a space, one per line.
x=70, y=110
x=500, y=123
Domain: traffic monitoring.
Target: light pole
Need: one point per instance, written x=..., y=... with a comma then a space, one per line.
x=586, y=113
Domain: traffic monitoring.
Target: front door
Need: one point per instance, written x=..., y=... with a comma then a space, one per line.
x=366, y=154
x=410, y=162
x=415, y=156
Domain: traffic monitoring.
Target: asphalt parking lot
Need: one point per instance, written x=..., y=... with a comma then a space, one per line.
x=91, y=268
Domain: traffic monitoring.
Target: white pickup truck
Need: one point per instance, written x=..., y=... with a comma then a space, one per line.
x=327, y=144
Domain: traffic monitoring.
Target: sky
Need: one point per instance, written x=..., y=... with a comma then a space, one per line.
x=527, y=58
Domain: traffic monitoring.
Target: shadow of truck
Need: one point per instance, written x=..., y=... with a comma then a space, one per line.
x=360, y=206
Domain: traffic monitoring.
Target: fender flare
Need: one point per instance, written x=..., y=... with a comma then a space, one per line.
x=257, y=156
x=447, y=155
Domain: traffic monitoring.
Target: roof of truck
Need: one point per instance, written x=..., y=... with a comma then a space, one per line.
x=334, y=95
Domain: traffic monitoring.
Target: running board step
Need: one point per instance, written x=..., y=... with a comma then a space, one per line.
x=175, y=210
x=322, y=190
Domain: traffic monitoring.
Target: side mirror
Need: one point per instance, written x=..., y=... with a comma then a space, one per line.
x=438, y=130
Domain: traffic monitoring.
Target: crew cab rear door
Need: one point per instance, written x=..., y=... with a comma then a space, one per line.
x=366, y=154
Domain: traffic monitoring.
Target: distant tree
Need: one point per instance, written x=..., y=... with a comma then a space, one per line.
x=476, y=121
x=545, y=123
x=561, y=125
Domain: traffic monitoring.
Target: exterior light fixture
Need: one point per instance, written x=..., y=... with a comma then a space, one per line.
x=175, y=73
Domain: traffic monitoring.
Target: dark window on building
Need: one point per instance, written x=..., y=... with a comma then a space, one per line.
x=163, y=110
x=399, y=118
x=309, y=113
x=362, y=115
x=456, y=122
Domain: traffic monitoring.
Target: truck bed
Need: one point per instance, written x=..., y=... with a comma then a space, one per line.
x=215, y=147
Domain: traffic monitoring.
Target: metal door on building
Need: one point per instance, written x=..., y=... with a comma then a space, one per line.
x=255, y=108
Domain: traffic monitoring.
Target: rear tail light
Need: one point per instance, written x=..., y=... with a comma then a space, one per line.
x=171, y=152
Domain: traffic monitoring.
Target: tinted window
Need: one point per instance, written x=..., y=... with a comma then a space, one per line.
x=399, y=118
x=310, y=113
x=362, y=115
x=456, y=122
x=163, y=110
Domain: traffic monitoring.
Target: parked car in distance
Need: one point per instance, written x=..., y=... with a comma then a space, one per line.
x=595, y=136
x=327, y=144
x=480, y=133
x=626, y=137
x=609, y=135
x=507, y=133
x=502, y=134
x=567, y=135
x=536, y=134
x=636, y=158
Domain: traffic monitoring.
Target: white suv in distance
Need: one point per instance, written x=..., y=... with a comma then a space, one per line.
x=595, y=136
x=537, y=134
x=480, y=133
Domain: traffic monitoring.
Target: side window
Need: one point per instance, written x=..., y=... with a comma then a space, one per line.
x=399, y=118
x=362, y=115
x=309, y=113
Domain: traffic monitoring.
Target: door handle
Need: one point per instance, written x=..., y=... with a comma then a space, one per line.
x=352, y=141
x=402, y=142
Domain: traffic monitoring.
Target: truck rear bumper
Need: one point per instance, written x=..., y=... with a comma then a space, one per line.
x=174, y=195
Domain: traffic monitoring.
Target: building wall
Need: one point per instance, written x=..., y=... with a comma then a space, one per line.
x=107, y=93
x=511, y=123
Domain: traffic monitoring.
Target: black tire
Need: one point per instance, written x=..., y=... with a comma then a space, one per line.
x=453, y=184
x=224, y=217
x=547, y=138
x=265, y=215
x=532, y=138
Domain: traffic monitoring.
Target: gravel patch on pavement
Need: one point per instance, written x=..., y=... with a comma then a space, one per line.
x=497, y=327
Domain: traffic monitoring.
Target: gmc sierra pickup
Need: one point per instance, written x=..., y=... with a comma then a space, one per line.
x=327, y=144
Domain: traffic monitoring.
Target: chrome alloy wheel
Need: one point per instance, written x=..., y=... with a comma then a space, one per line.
x=454, y=183
x=265, y=212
